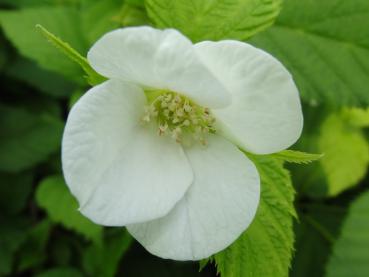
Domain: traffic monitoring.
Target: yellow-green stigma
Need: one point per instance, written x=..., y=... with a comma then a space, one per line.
x=178, y=117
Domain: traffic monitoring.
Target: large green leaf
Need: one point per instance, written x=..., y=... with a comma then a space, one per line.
x=214, y=20
x=19, y=27
x=265, y=249
x=325, y=44
x=27, y=138
x=53, y=195
x=350, y=253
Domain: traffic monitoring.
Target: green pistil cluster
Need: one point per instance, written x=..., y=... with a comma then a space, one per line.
x=178, y=117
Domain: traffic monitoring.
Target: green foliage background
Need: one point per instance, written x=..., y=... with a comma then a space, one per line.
x=313, y=219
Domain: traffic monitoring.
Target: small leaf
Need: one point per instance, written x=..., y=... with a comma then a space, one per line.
x=346, y=156
x=357, y=117
x=346, y=153
x=93, y=77
x=266, y=247
x=53, y=195
x=298, y=157
x=214, y=20
x=350, y=253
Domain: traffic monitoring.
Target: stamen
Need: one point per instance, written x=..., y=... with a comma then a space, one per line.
x=178, y=117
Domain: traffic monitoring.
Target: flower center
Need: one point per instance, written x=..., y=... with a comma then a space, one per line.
x=178, y=117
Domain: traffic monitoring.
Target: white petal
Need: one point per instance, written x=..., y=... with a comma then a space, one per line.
x=119, y=171
x=161, y=59
x=216, y=209
x=265, y=115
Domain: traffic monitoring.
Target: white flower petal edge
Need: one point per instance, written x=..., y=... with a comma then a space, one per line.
x=163, y=59
x=120, y=172
x=265, y=115
x=216, y=209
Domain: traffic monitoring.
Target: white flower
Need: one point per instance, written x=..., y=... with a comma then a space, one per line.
x=155, y=148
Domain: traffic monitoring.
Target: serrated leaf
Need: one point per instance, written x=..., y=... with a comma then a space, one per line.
x=298, y=157
x=27, y=138
x=325, y=45
x=53, y=195
x=266, y=247
x=350, y=253
x=92, y=76
x=214, y=20
x=19, y=27
x=346, y=156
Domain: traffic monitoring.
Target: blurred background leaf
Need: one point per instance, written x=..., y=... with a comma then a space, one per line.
x=350, y=252
x=53, y=195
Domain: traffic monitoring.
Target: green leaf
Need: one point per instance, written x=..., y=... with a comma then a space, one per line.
x=12, y=235
x=298, y=157
x=99, y=17
x=266, y=247
x=134, y=15
x=53, y=195
x=14, y=191
x=316, y=231
x=103, y=260
x=325, y=45
x=214, y=20
x=345, y=148
x=37, y=3
x=61, y=272
x=19, y=27
x=27, y=138
x=93, y=77
x=33, y=251
x=346, y=152
x=357, y=117
x=350, y=253
x=45, y=81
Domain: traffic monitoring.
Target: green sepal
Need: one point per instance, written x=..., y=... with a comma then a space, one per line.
x=93, y=78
